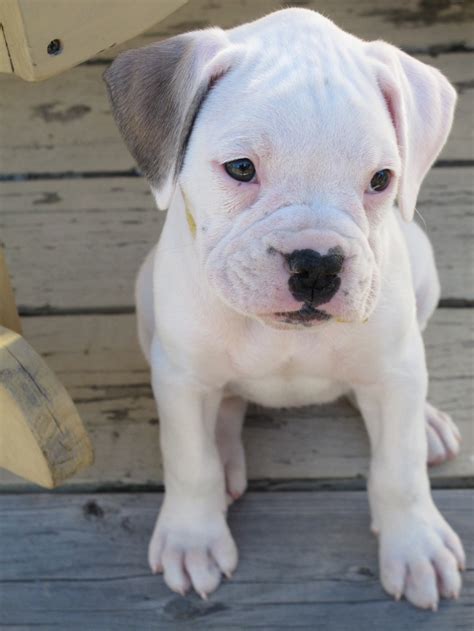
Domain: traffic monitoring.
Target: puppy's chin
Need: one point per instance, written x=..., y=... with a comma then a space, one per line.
x=305, y=317
x=281, y=325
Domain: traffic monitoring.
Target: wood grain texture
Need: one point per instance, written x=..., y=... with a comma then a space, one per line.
x=42, y=437
x=5, y=61
x=65, y=123
x=307, y=561
x=414, y=25
x=101, y=229
x=97, y=359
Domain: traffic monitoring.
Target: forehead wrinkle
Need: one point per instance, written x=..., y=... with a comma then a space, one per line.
x=306, y=91
x=321, y=43
x=321, y=73
x=305, y=129
x=235, y=142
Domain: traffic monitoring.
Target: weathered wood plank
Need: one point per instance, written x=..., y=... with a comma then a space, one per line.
x=101, y=229
x=97, y=359
x=79, y=561
x=79, y=243
x=65, y=124
x=409, y=24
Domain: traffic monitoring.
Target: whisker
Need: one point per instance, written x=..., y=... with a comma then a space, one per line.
x=422, y=218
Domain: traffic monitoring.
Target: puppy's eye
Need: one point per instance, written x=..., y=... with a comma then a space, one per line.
x=241, y=169
x=380, y=181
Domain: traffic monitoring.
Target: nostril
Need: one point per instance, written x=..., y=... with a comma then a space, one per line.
x=325, y=281
x=303, y=273
x=309, y=263
x=303, y=262
x=333, y=263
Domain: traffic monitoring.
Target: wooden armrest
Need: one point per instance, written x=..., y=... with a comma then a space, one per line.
x=41, y=38
x=42, y=437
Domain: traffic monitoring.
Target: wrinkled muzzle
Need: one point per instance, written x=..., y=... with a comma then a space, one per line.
x=290, y=269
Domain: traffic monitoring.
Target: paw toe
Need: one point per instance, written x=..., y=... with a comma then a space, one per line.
x=173, y=570
x=421, y=588
x=449, y=579
x=392, y=575
x=155, y=550
x=202, y=570
x=454, y=545
x=225, y=554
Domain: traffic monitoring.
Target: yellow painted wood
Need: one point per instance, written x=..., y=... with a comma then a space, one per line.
x=8, y=312
x=15, y=38
x=42, y=437
x=83, y=28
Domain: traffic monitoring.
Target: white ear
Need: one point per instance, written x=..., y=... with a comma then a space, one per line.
x=156, y=93
x=421, y=103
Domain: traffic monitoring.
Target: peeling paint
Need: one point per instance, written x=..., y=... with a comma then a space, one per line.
x=49, y=113
x=48, y=198
x=427, y=13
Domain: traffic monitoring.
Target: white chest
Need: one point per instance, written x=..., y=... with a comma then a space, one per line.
x=290, y=370
x=285, y=391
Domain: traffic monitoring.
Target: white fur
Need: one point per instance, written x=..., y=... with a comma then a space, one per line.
x=303, y=100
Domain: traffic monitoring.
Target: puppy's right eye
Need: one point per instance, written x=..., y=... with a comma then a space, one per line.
x=241, y=169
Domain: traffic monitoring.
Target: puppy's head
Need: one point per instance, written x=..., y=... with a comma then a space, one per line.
x=288, y=140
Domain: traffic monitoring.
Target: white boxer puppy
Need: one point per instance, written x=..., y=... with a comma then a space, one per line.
x=285, y=275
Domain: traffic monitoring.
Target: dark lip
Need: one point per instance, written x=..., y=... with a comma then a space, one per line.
x=305, y=315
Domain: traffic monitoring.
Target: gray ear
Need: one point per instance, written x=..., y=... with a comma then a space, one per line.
x=156, y=93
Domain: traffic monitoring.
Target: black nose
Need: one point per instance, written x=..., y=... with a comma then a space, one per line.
x=314, y=278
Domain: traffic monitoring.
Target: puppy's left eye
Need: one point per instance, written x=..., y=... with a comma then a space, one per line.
x=241, y=169
x=380, y=181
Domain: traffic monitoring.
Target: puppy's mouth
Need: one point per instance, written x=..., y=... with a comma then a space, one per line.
x=306, y=316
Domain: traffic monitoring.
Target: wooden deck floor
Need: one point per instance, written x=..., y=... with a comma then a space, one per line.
x=307, y=561
x=76, y=222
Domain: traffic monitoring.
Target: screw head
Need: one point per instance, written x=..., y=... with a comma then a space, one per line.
x=54, y=47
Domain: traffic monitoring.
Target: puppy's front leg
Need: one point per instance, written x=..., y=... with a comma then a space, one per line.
x=191, y=542
x=420, y=555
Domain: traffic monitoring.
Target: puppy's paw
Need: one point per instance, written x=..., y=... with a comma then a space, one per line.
x=233, y=459
x=230, y=446
x=443, y=435
x=420, y=558
x=192, y=551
